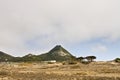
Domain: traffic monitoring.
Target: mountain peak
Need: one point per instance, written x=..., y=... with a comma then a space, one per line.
x=58, y=53
x=58, y=49
x=58, y=46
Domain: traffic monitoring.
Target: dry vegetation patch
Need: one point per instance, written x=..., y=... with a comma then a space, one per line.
x=58, y=71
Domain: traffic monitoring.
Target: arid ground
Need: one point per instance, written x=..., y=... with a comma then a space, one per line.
x=60, y=71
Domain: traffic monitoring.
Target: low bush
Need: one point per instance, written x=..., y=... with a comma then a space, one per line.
x=3, y=73
x=69, y=62
x=85, y=62
x=72, y=62
x=117, y=60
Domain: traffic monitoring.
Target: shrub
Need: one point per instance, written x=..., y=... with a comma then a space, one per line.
x=3, y=73
x=117, y=60
x=50, y=62
x=69, y=62
x=85, y=62
x=72, y=62
x=63, y=63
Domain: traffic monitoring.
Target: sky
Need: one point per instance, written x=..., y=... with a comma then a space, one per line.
x=83, y=27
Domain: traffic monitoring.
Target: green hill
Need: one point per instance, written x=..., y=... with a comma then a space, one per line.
x=5, y=57
x=58, y=53
x=30, y=57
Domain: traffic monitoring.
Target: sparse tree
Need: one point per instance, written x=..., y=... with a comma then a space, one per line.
x=80, y=59
x=90, y=58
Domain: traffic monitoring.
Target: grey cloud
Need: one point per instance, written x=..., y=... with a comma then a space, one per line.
x=57, y=21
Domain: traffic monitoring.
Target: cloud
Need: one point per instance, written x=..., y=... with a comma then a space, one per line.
x=99, y=48
x=25, y=24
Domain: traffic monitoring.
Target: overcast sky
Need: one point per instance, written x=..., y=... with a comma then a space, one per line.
x=83, y=27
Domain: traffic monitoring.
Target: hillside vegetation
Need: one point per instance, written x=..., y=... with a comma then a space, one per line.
x=58, y=53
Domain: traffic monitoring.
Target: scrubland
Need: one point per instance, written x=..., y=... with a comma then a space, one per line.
x=60, y=71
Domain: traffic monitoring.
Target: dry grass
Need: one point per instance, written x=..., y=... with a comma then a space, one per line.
x=58, y=71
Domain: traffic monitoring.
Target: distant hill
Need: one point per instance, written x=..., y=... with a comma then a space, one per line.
x=58, y=53
x=5, y=57
x=31, y=57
